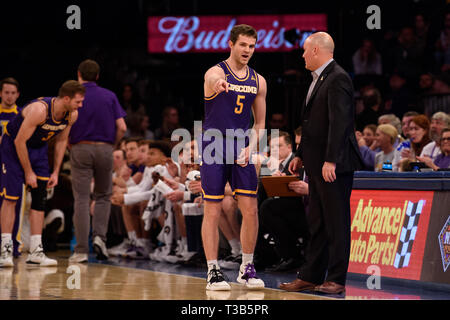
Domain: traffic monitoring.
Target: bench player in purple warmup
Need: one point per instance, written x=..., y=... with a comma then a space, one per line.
x=9, y=93
x=24, y=155
x=232, y=91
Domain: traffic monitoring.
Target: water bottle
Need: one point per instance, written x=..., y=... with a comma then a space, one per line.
x=405, y=144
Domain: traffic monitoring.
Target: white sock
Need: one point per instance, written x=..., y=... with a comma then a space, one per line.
x=211, y=264
x=35, y=241
x=235, y=245
x=6, y=238
x=247, y=258
x=132, y=236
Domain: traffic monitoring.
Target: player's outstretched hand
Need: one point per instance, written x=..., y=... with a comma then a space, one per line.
x=220, y=86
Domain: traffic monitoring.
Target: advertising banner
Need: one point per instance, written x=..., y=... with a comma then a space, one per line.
x=211, y=33
x=389, y=230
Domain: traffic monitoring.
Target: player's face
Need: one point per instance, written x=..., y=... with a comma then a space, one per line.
x=242, y=50
x=154, y=157
x=132, y=152
x=9, y=95
x=75, y=103
x=118, y=160
x=143, y=150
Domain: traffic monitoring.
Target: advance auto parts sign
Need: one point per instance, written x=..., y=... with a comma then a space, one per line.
x=389, y=230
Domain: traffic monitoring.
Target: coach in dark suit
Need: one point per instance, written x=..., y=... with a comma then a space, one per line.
x=330, y=155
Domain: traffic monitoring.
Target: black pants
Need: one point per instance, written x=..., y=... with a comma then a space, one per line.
x=285, y=219
x=328, y=249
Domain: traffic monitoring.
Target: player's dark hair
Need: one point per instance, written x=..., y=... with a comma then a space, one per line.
x=11, y=81
x=89, y=70
x=161, y=145
x=243, y=29
x=70, y=88
x=133, y=139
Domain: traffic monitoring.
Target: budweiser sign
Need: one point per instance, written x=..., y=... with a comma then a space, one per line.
x=211, y=33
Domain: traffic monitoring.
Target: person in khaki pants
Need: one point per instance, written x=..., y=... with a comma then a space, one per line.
x=100, y=126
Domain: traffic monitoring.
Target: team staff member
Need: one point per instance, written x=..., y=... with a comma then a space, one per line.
x=100, y=125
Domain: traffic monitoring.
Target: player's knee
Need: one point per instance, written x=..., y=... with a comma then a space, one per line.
x=39, y=196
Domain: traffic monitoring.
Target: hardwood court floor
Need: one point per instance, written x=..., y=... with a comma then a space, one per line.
x=108, y=282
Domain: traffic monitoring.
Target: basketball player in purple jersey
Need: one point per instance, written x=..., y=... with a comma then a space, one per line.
x=9, y=93
x=24, y=156
x=232, y=92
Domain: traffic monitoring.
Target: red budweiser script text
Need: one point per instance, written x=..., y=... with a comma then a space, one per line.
x=211, y=33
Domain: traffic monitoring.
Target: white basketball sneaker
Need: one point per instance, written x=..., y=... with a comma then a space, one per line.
x=37, y=257
x=247, y=276
x=78, y=258
x=6, y=255
x=216, y=281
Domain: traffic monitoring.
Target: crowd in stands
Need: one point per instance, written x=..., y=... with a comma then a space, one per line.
x=157, y=202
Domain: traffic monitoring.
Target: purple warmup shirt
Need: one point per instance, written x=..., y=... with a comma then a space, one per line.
x=97, y=118
x=442, y=161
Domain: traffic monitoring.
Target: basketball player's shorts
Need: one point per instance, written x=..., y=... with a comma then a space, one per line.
x=218, y=167
x=12, y=175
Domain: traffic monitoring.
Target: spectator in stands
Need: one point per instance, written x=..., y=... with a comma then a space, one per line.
x=368, y=145
x=369, y=136
x=421, y=31
x=131, y=102
x=406, y=120
x=386, y=136
x=401, y=98
x=366, y=60
x=408, y=55
x=442, y=52
x=170, y=122
x=277, y=121
x=391, y=119
x=442, y=161
x=426, y=84
x=138, y=126
x=419, y=131
x=439, y=121
x=372, y=109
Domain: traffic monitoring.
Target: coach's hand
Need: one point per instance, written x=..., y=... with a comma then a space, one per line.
x=328, y=171
x=295, y=165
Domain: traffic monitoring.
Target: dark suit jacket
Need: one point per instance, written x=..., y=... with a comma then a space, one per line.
x=328, y=124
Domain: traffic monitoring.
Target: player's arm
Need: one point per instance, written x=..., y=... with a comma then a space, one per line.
x=259, y=113
x=61, y=141
x=215, y=81
x=33, y=115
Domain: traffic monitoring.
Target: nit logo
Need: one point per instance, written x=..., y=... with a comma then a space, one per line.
x=444, y=244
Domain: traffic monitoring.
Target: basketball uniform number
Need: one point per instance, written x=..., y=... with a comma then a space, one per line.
x=50, y=134
x=240, y=104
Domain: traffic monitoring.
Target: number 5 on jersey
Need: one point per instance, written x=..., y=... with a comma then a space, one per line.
x=240, y=105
